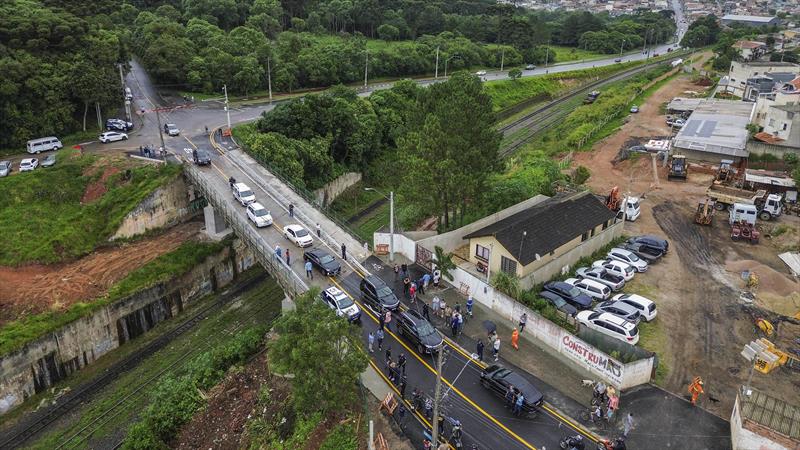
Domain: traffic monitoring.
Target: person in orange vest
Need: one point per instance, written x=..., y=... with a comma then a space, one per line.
x=696, y=388
x=515, y=339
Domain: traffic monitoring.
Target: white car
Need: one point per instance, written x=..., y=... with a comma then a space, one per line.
x=243, y=194
x=480, y=73
x=341, y=304
x=299, y=235
x=171, y=129
x=259, y=215
x=609, y=325
x=28, y=164
x=113, y=136
x=628, y=257
x=595, y=290
x=618, y=268
x=602, y=276
x=646, y=307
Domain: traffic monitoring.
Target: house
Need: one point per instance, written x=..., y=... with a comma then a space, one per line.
x=537, y=243
x=765, y=85
x=752, y=21
x=750, y=50
x=764, y=422
x=740, y=72
x=716, y=129
x=778, y=117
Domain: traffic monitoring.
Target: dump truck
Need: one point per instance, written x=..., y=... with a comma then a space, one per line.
x=724, y=197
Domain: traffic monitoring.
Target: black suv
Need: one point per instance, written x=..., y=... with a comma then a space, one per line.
x=570, y=293
x=651, y=241
x=323, y=260
x=497, y=379
x=201, y=157
x=419, y=331
x=377, y=295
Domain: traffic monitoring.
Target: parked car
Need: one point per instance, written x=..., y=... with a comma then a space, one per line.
x=259, y=215
x=480, y=73
x=619, y=309
x=28, y=164
x=559, y=303
x=530, y=67
x=298, y=235
x=5, y=168
x=644, y=252
x=377, y=295
x=497, y=379
x=618, y=268
x=678, y=123
x=112, y=136
x=201, y=157
x=243, y=194
x=341, y=304
x=601, y=276
x=617, y=60
x=414, y=327
x=610, y=325
x=646, y=307
x=118, y=125
x=591, y=288
x=171, y=129
x=324, y=261
x=652, y=241
x=570, y=293
x=638, y=149
x=49, y=161
x=634, y=109
x=43, y=144
x=628, y=257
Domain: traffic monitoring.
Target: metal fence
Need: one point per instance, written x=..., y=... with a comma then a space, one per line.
x=277, y=267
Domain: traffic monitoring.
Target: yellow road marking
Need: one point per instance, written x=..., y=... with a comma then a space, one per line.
x=450, y=385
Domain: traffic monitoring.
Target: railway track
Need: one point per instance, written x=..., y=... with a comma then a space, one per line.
x=39, y=420
x=531, y=124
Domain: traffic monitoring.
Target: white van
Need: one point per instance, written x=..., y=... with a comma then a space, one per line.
x=744, y=213
x=44, y=144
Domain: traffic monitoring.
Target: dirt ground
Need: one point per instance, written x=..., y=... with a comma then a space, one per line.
x=37, y=288
x=697, y=286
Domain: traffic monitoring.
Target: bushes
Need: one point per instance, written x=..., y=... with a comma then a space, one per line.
x=176, y=398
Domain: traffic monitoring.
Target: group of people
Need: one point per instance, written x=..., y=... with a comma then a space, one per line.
x=605, y=403
x=150, y=152
x=515, y=400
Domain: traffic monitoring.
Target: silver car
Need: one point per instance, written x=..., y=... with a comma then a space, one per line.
x=49, y=161
x=601, y=276
x=620, y=309
x=5, y=168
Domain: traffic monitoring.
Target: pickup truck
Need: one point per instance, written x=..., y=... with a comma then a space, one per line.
x=769, y=205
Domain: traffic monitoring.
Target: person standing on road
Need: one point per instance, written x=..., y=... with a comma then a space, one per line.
x=523, y=320
x=396, y=271
x=278, y=252
x=401, y=363
x=370, y=341
x=412, y=292
x=425, y=313
x=309, y=270
x=404, y=270
x=403, y=386
x=515, y=339
x=441, y=425
x=437, y=276
x=469, y=305
x=379, y=338
x=344, y=252
x=388, y=354
x=496, y=348
x=460, y=322
x=627, y=424
x=387, y=318
x=518, y=404
x=406, y=286
x=435, y=305
x=288, y=258
x=454, y=324
x=510, y=396
x=480, y=349
x=425, y=280
x=291, y=210
x=421, y=284
x=613, y=404
x=319, y=231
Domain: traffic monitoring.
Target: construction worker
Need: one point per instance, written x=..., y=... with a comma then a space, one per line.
x=515, y=339
x=696, y=388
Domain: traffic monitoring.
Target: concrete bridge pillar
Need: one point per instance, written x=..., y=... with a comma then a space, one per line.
x=216, y=228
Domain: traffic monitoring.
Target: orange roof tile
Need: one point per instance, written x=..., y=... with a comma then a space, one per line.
x=768, y=138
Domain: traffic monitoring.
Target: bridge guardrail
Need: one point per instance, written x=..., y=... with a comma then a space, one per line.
x=277, y=267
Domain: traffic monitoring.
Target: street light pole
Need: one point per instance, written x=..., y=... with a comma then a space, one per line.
x=391, y=220
x=124, y=95
x=227, y=110
x=436, y=392
x=269, y=78
x=366, y=66
x=436, y=71
x=502, y=59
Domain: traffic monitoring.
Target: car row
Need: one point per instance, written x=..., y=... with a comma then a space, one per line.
x=118, y=125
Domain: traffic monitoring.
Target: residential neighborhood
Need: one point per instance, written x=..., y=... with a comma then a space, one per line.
x=454, y=225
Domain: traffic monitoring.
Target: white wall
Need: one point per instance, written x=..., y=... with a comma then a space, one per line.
x=402, y=244
x=744, y=439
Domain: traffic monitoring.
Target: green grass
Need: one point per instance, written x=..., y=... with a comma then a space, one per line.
x=568, y=54
x=43, y=220
x=259, y=305
x=16, y=334
x=353, y=200
x=342, y=437
x=68, y=141
x=371, y=223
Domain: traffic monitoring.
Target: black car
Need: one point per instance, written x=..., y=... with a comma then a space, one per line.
x=644, y=251
x=497, y=379
x=651, y=241
x=324, y=261
x=118, y=125
x=559, y=303
x=201, y=157
x=419, y=331
x=377, y=295
x=570, y=293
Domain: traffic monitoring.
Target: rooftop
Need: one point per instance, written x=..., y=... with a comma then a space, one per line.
x=684, y=103
x=788, y=108
x=772, y=413
x=717, y=126
x=749, y=44
x=736, y=17
x=546, y=226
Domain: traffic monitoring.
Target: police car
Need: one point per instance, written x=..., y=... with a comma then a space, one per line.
x=341, y=304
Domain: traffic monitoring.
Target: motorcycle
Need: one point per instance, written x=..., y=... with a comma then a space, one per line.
x=572, y=442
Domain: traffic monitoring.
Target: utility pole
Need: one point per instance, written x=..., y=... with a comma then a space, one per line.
x=366, y=66
x=160, y=128
x=502, y=59
x=621, y=46
x=437, y=391
x=436, y=73
x=127, y=102
x=269, y=79
x=391, y=226
x=227, y=110
x=546, y=52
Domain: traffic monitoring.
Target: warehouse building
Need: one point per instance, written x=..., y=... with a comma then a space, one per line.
x=752, y=21
x=716, y=130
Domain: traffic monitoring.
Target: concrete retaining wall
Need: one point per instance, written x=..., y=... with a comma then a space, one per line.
x=555, y=340
x=761, y=148
x=42, y=363
x=164, y=207
x=328, y=193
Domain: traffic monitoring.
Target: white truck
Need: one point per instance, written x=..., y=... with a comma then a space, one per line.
x=724, y=197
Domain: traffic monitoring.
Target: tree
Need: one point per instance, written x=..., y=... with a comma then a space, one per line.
x=515, y=73
x=506, y=283
x=444, y=262
x=388, y=32
x=313, y=341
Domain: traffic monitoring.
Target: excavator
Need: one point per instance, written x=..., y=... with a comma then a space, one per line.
x=705, y=212
x=678, y=170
